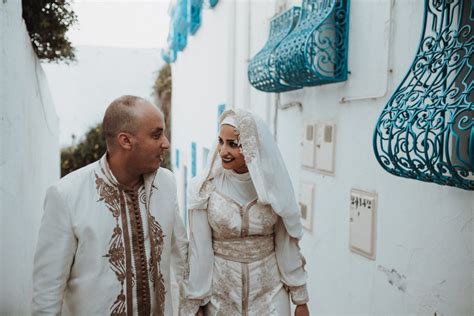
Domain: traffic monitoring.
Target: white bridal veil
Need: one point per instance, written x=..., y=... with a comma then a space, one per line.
x=265, y=163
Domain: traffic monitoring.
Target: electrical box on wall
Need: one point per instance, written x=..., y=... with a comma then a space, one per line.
x=306, y=200
x=325, y=133
x=318, y=147
x=309, y=143
x=363, y=219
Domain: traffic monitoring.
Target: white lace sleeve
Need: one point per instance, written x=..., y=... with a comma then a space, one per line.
x=291, y=264
x=197, y=286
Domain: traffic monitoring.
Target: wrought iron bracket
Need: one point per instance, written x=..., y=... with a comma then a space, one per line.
x=426, y=130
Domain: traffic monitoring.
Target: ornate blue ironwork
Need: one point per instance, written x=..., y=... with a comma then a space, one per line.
x=195, y=8
x=168, y=55
x=177, y=160
x=315, y=52
x=178, y=32
x=212, y=3
x=262, y=72
x=426, y=130
x=193, y=160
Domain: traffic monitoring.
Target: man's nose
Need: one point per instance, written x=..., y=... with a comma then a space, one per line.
x=166, y=143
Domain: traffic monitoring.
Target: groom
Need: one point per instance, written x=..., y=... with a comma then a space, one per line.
x=111, y=230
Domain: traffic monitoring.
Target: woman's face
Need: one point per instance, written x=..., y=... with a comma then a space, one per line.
x=229, y=150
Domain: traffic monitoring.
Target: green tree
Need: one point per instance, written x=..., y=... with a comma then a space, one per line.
x=47, y=22
x=90, y=149
x=162, y=92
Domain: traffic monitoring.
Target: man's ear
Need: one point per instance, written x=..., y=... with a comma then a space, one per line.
x=124, y=140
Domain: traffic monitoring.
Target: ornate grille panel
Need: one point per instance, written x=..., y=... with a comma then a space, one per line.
x=313, y=53
x=426, y=130
x=186, y=19
x=178, y=32
x=195, y=9
x=262, y=69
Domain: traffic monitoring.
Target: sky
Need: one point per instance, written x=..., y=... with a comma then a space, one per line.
x=118, y=52
x=113, y=23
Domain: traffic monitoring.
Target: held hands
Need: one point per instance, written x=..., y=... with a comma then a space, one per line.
x=302, y=310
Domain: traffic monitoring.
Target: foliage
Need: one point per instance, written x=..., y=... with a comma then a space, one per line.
x=162, y=92
x=93, y=146
x=47, y=22
x=90, y=149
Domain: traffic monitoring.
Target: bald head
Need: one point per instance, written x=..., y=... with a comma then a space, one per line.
x=122, y=115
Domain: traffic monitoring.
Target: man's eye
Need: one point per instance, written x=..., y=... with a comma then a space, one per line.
x=220, y=141
x=234, y=145
x=156, y=136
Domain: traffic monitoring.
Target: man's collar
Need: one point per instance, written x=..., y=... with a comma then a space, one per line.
x=148, y=178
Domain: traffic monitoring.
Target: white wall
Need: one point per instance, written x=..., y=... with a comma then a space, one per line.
x=29, y=157
x=424, y=231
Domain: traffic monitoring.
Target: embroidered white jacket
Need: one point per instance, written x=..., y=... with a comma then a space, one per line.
x=106, y=249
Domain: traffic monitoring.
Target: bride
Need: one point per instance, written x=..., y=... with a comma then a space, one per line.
x=244, y=223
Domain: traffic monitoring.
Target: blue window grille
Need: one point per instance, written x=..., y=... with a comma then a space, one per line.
x=262, y=72
x=178, y=32
x=177, y=158
x=194, y=14
x=426, y=130
x=313, y=53
x=193, y=159
x=212, y=3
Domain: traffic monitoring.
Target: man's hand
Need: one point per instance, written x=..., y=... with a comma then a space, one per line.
x=302, y=310
x=200, y=311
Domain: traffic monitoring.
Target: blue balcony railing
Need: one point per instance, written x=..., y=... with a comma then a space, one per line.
x=186, y=18
x=313, y=53
x=426, y=130
x=195, y=10
x=262, y=69
x=178, y=32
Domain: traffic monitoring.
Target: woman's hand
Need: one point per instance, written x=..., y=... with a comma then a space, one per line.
x=302, y=310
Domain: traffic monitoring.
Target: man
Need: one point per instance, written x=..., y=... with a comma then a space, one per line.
x=111, y=230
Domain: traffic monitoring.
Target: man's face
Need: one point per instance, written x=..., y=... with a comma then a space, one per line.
x=229, y=150
x=149, y=141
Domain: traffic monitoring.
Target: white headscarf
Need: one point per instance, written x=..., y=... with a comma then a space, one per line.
x=266, y=167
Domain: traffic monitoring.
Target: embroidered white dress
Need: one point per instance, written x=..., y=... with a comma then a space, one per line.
x=241, y=259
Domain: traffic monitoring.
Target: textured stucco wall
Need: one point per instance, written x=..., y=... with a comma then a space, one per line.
x=424, y=255
x=29, y=157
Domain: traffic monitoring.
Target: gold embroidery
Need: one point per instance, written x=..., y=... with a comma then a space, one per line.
x=245, y=288
x=244, y=215
x=248, y=132
x=221, y=215
x=223, y=284
x=156, y=238
x=269, y=283
x=234, y=292
x=266, y=217
x=248, y=249
x=117, y=253
x=139, y=255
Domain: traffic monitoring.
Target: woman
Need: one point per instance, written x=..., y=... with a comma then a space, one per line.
x=243, y=256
